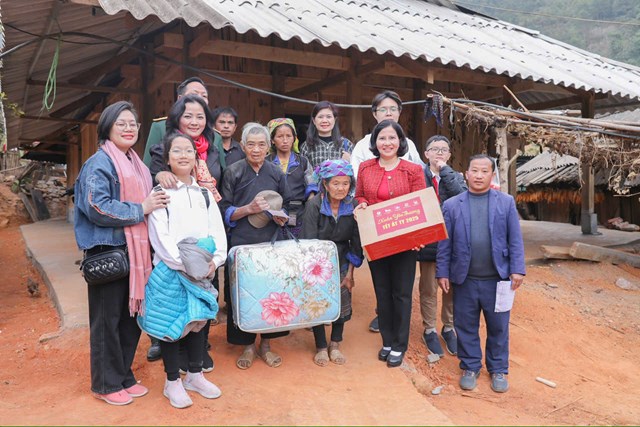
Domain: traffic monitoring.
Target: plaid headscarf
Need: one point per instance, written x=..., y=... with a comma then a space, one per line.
x=330, y=168
x=276, y=123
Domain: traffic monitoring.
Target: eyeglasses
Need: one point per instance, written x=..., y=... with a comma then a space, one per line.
x=189, y=152
x=384, y=110
x=438, y=150
x=124, y=125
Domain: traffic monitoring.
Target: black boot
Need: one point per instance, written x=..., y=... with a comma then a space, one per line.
x=154, y=352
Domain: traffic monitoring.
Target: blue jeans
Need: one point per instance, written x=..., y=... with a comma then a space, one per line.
x=469, y=299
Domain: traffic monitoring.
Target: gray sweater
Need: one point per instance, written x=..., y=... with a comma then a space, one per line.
x=481, y=266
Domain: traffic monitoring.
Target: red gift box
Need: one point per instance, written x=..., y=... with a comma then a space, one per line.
x=400, y=224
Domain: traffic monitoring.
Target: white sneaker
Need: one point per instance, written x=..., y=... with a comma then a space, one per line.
x=197, y=382
x=177, y=395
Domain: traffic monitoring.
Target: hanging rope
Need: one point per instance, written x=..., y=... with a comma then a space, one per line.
x=49, y=96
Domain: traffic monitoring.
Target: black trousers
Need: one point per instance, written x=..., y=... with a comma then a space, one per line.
x=320, y=335
x=194, y=343
x=113, y=337
x=234, y=334
x=393, y=278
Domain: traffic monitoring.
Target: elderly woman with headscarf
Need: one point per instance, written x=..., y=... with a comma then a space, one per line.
x=243, y=186
x=330, y=217
x=297, y=169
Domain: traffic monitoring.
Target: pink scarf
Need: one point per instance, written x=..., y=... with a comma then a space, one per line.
x=135, y=186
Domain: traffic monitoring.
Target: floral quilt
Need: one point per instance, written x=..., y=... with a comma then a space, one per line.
x=286, y=285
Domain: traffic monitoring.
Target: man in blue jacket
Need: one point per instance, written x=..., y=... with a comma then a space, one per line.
x=484, y=246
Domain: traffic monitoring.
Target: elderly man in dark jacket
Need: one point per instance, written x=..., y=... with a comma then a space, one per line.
x=447, y=183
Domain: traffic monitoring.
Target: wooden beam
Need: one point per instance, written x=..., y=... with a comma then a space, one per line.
x=168, y=74
x=430, y=73
x=530, y=86
x=50, y=141
x=197, y=45
x=417, y=119
x=359, y=72
x=58, y=119
x=94, y=3
x=93, y=73
x=35, y=150
x=588, y=217
x=600, y=254
x=101, y=89
x=263, y=53
x=82, y=102
x=546, y=105
x=354, y=96
x=555, y=252
x=502, y=149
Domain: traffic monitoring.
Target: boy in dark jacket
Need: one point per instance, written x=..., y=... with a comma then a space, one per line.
x=447, y=183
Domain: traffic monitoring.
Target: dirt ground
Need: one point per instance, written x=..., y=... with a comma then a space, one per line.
x=570, y=325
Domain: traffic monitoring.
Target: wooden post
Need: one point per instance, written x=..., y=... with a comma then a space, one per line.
x=354, y=130
x=418, y=126
x=277, y=86
x=73, y=168
x=502, y=149
x=588, y=217
x=146, y=116
x=513, y=187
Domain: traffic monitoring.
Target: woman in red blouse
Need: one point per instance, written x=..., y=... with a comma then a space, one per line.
x=379, y=179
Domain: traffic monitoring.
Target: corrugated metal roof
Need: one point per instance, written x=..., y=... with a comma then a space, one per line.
x=632, y=116
x=548, y=168
x=419, y=29
x=434, y=30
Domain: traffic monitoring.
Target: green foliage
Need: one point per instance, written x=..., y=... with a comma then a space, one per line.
x=11, y=106
x=616, y=41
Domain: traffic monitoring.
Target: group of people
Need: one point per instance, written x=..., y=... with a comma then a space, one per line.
x=210, y=196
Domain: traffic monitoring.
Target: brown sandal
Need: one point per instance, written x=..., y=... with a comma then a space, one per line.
x=246, y=358
x=336, y=355
x=321, y=358
x=272, y=359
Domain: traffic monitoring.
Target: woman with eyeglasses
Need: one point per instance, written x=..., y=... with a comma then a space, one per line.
x=382, y=178
x=296, y=168
x=324, y=141
x=386, y=105
x=112, y=198
x=190, y=243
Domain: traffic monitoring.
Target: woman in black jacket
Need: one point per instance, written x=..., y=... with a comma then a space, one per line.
x=330, y=217
x=296, y=168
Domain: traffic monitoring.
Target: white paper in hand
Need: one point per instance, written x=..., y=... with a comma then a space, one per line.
x=504, y=296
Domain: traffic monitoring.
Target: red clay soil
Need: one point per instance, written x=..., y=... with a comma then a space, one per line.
x=570, y=325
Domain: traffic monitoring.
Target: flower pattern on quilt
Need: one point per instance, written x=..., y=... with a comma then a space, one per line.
x=316, y=268
x=278, y=309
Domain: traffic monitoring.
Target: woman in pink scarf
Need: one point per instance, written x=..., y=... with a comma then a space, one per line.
x=112, y=201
